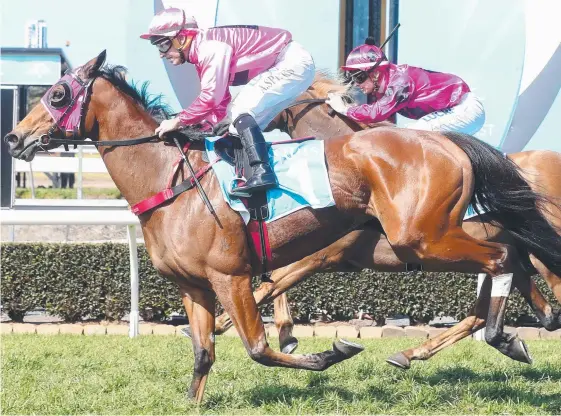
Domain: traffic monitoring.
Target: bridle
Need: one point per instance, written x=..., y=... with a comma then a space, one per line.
x=63, y=109
x=67, y=116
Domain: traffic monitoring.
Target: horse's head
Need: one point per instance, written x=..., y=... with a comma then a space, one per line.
x=324, y=84
x=312, y=119
x=62, y=113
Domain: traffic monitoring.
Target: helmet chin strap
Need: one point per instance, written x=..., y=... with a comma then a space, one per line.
x=183, y=48
x=375, y=82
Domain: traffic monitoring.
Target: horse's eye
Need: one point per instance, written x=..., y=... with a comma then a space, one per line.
x=60, y=95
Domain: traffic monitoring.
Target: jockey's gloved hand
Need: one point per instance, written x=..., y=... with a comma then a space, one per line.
x=205, y=126
x=222, y=128
x=168, y=125
x=337, y=103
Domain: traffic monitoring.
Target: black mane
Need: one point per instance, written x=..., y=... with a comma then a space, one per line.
x=153, y=103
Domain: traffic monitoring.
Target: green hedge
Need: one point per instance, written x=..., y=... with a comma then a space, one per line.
x=91, y=281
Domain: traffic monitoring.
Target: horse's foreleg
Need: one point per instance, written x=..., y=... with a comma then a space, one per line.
x=223, y=322
x=553, y=281
x=237, y=298
x=288, y=276
x=472, y=323
x=199, y=305
x=551, y=316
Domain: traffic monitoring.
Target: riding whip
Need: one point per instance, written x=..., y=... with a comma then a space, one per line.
x=194, y=176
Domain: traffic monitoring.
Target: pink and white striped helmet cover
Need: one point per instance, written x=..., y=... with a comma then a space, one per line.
x=169, y=22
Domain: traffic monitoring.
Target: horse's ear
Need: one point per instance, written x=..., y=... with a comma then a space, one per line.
x=89, y=70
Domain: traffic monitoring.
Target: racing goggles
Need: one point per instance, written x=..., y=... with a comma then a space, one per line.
x=163, y=44
x=360, y=76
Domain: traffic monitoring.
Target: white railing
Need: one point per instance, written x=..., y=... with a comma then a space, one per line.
x=49, y=163
x=61, y=165
x=53, y=215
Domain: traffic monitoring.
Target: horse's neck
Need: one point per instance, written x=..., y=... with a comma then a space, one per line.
x=318, y=123
x=143, y=170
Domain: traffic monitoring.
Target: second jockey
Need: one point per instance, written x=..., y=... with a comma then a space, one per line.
x=273, y=69
x=436, y=100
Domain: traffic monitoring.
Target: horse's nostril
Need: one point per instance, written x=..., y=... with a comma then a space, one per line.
x=11, y=139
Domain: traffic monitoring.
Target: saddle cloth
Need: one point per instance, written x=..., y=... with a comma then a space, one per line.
x=470, y=213
x=302, y=173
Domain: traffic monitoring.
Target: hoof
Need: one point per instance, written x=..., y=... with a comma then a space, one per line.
x=186, y=331
x=518, y=350
x=289, y=345
x=346, y=348
x=399, y=360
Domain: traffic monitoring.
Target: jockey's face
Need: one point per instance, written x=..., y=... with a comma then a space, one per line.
x=169, y=49
x=367, y=81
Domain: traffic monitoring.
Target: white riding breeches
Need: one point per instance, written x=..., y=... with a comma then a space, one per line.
x=466, y=117
x=272, y=91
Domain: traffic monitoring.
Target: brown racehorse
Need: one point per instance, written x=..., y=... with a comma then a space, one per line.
x=367, y=247
x=417, y=184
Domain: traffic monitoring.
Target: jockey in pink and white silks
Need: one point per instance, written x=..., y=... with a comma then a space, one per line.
x=436, y=100
x=273, y=69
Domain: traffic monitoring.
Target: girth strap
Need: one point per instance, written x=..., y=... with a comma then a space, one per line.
x=170, y=193
x=257, y=228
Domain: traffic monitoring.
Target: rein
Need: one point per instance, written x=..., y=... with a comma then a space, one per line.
x=47, y=139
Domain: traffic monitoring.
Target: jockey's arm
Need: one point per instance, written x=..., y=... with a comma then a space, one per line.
x=217, y=114
x=396, y=98
x=215, y=58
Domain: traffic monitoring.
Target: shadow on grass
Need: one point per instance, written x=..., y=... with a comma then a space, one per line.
x=497, y=387
x=461, y=374
x=499, y=392
x=275, y=394
x=491, y=386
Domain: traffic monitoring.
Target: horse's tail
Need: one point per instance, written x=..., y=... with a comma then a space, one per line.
x=508, y=201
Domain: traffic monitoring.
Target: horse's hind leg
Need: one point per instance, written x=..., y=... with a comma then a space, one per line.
x=456, y=250
x=476, y=321
x=199, y=305
x=472, y=323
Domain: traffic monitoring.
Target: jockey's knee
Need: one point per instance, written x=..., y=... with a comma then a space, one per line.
x=241, y=122
x=244, y=121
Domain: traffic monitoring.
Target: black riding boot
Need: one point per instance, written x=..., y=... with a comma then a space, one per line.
x=253, y=142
